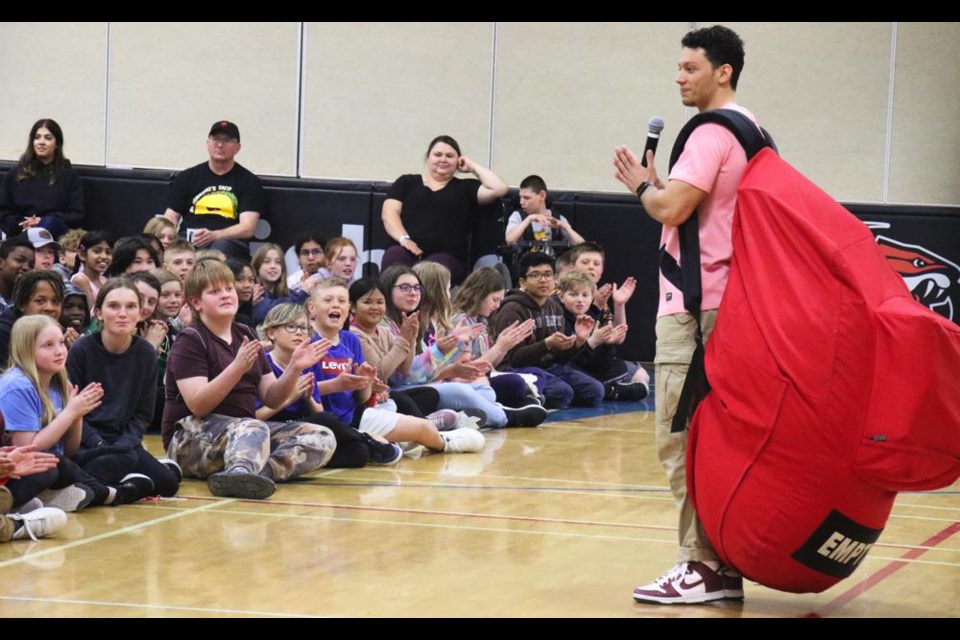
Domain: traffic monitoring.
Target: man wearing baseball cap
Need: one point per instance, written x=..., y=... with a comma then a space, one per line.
x=218, y=202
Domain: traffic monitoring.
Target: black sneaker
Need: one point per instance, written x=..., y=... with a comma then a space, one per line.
x=627, y=391
x=173, y=467
x=530, y=415
x=133, y=487
x=240, y=483
x=385, y=453
x=481, y=417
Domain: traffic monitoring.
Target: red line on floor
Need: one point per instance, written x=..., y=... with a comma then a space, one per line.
x=886, y=571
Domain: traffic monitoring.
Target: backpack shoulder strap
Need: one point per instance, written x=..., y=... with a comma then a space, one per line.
x=751, y=137
x=686, y=275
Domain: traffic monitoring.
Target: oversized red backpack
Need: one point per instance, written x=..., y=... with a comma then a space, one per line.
x=830, y=388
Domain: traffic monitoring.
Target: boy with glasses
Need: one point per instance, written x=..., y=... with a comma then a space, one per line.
x=547, y=348
x=309, y=250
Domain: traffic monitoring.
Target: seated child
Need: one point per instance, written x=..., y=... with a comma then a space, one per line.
x=548, y=348
x=215, y=374
x=287, y=327
x=347, y=383
x=622, y=379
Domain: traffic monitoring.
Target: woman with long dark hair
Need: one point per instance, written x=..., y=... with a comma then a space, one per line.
x=43, y=189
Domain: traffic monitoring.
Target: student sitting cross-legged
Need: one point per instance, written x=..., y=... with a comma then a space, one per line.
x=286, y=327
x=622, y=379
x=215, y=373
x=548, y=347
x=347, y=383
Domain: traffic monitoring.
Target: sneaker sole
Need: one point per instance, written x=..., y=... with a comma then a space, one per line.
x=698, y=599
x=246, y=485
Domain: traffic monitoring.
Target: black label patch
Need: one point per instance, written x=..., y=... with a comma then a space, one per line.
x=837, y=547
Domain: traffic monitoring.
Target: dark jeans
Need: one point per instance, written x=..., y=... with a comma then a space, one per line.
x=587, y=391
x=67, y=472
x=113, y=465
x=398, y=255
x=511, y=389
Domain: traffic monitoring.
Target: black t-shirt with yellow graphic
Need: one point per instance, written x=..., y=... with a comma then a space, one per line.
x=208, y=201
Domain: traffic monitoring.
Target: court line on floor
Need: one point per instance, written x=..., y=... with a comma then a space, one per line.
x=618, y=493
x=173, y=607
x=916, y=561
x=400, y=523
x=462, y=514
x=904, y=516
x=573, y=427
x=886, y=571
x=109, y=534
x=895, y=545
x=928, y=506
x=511, y=477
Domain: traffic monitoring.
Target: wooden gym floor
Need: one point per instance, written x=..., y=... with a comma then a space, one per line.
x=561, y=521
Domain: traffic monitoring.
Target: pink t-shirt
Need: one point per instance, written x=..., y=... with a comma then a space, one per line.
x=712, y=161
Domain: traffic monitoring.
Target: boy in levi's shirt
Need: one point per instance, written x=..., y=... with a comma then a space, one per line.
x=346, y=382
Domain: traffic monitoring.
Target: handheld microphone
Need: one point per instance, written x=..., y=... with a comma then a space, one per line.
x=654, y=127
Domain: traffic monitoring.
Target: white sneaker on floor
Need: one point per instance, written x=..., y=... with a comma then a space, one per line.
x=462, y=441
x=30, y=505
x=686, y=583
x=38, y=523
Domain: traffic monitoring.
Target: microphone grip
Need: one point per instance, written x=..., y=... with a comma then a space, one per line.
x=652, y=140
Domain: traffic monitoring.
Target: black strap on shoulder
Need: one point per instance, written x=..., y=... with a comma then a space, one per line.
x=686, y=275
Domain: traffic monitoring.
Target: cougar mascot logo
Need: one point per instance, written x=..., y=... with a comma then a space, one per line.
x=933, y=280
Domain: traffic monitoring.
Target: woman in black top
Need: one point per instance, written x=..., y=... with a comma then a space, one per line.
x=43, y=189
x=430, y=215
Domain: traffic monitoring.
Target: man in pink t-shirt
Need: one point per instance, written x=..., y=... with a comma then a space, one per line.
x=704, y=179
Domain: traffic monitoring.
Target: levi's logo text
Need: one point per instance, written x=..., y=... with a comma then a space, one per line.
x=837, y=547
x=336, y=366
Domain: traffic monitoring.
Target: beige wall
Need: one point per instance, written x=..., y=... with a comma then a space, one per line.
x=65, y=82
x=821, y=90
x=170, y=81
x=568, y=93
x=361, y=100
x=925, y=157
x=376, y=94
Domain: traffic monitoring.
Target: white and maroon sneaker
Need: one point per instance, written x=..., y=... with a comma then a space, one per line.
x=686, y=583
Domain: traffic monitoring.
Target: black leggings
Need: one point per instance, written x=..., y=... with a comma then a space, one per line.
x=112, y=466
x=351, y=451
x=418, y=402
x=66, y=472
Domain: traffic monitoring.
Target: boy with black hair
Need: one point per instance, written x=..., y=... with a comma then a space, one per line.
x=309, y=249
x=547, y=348
x=16, y=258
